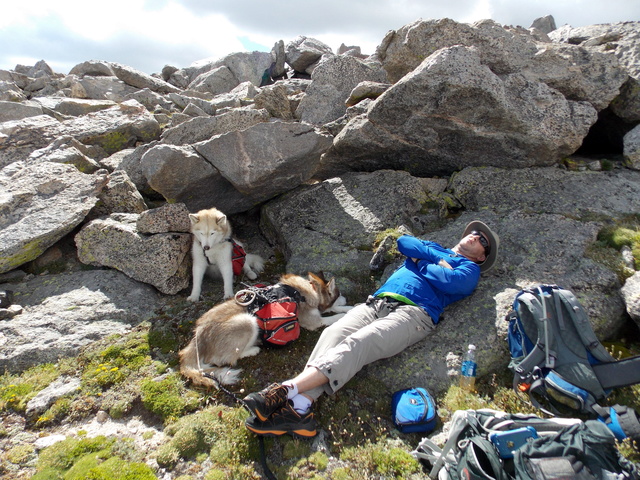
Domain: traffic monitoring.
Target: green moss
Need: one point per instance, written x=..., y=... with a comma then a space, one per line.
x=295, y=448
x=319, y=460
x=166, y=341
x=119, y=408
x=380, y=459
x=167, y=455
x=98, y=458
x=343, y=473
x=625, y=232
x=29, y=251
x=168, y=397
x=112, y=468
x=218, y=431
x=394, y=462
x=572, y=164
x=48, y=474
x=17, y=390
x=115, y=141
x=458, y=399
x=58, y=411
x=607, y=165
x=235, y=472
x=85, y=464
x=133, y=351
x=62, y=455
x=20, y=454
x=122, y=357
x=389, y=232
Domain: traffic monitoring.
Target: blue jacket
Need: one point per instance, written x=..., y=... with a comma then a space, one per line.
x=426, y=283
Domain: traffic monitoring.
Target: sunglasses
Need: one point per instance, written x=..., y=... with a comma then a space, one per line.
x=483, y=241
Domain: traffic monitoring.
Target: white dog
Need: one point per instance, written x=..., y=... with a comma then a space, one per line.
x=213, y=248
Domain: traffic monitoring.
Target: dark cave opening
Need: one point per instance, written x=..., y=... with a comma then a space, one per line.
x=605, y=137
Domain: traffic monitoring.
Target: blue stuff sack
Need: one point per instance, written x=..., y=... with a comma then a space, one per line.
x=413, y=410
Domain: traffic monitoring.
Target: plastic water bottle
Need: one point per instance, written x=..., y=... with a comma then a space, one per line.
x=468, y=370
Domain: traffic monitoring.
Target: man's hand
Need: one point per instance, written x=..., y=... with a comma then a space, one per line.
x=445, y=264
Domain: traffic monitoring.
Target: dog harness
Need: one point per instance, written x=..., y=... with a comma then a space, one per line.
x=238, y=256
x=276, y=310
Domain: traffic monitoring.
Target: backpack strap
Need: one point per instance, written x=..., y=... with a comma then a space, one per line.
x=549, y=359
x=445, y=457
x=542, y=354
x=610, y=373
x=428, y=451
x=619, y=373
x=583, y=325
x=621, y=420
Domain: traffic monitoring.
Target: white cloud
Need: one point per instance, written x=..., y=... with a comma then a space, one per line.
x=481, y=9
x=147, y=34
x=163, y=27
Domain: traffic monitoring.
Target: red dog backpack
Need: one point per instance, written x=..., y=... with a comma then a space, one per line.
x=276, y=311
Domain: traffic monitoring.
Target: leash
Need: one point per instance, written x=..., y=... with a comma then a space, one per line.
x=263, y=456
x=245, y=297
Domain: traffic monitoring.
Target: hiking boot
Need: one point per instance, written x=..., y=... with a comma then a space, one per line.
x=284, y=420
x=263, y=403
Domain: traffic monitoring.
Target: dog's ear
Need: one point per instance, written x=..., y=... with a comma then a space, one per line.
x=194, y=218
x=316, y=281
x=221, y=219
x=321, y=276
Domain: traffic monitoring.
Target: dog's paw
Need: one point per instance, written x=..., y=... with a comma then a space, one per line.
x=193, y=298
x=250, y=352
x=340, y=301
x=251, y=275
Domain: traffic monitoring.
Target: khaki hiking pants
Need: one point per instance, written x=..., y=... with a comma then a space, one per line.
x=378, y=329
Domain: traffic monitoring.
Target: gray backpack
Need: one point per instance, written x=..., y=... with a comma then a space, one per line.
x=491, y=445
x=556, y=357
x=585, y=451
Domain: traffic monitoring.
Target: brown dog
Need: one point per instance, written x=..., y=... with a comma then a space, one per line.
x=227, y=332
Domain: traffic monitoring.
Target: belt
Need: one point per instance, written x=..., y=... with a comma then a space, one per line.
x=394, y=297
x=383, y=306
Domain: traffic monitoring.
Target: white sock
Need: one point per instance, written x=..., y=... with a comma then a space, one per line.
x=293, y=389
x=301, y=404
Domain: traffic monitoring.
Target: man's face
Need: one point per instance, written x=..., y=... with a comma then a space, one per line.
x=471, y=248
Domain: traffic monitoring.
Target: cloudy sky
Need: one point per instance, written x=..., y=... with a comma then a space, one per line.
x=149, y=34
